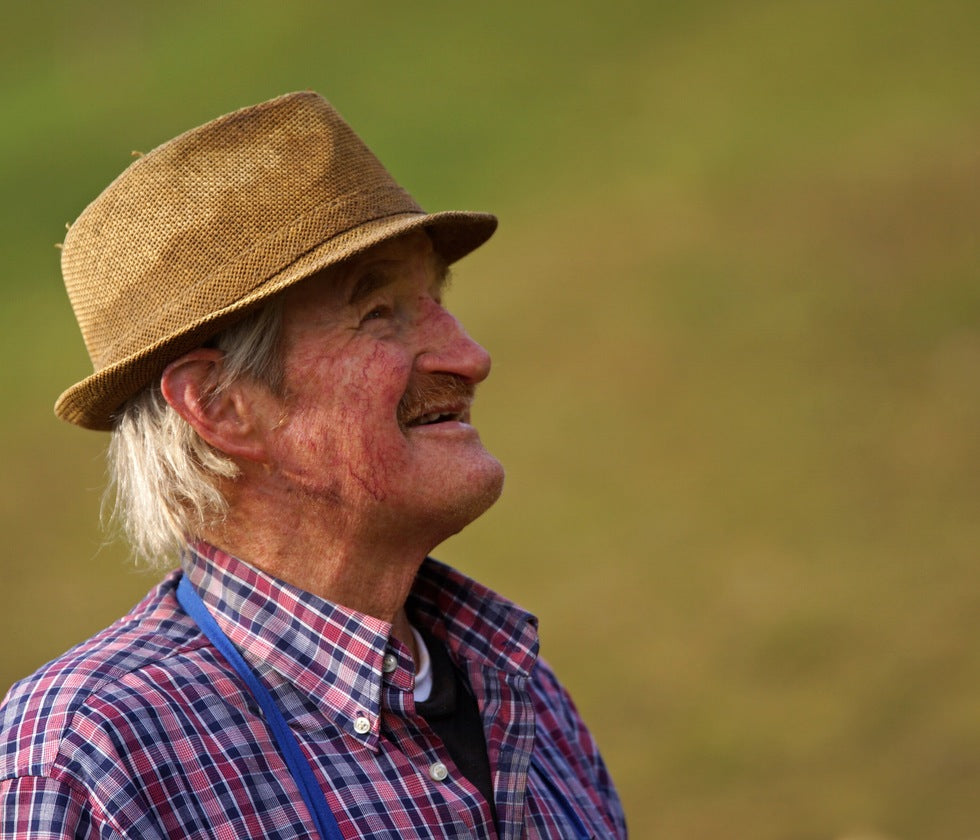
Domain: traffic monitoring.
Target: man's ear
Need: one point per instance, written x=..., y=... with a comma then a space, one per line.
x=226, y=417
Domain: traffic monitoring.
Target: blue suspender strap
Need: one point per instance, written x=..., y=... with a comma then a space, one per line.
x=299, y=767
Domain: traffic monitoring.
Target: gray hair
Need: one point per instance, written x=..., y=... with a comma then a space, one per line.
x=164, y=478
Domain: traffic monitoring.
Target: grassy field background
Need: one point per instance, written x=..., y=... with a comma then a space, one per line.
x=735, y=313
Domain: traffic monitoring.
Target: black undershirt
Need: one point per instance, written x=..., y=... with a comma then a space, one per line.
x=454, y=716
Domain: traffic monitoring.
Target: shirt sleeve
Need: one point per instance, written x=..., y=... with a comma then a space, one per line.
x=41, y=808
x=559, y=717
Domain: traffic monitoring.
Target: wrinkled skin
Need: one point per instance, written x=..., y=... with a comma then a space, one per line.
x=338, y=438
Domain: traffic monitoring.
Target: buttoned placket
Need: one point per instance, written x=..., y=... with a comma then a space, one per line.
x=430, y=758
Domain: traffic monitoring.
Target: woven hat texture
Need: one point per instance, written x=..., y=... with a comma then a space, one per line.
x=195, y=233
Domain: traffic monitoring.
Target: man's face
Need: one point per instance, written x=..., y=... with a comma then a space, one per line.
x=379, y=377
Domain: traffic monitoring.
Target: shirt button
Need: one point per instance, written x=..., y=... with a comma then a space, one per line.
x=438, y=771
x=390, y=663
x=362, y=725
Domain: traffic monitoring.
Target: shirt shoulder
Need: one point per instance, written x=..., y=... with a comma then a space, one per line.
x=40, y=710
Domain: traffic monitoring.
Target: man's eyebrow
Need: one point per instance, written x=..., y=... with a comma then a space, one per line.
x=377, y=277
x=370, y=281
x=444, y=276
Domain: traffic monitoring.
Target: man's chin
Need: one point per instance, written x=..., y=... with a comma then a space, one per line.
x=480, y=490
x=495, y=485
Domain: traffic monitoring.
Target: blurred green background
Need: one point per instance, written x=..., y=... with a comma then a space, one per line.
x=735, y=314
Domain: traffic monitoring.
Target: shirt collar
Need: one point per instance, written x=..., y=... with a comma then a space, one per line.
x=474, y=622
x=335, y=655
x=329, y=653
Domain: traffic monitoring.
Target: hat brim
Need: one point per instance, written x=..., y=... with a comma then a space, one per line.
x=94, y=402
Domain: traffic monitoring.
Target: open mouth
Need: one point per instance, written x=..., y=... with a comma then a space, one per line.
x=433, y=418
x=435, y=399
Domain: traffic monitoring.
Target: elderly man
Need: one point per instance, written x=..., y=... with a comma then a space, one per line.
x=289, y=403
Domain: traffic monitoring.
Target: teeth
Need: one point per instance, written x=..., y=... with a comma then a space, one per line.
x=434, y=417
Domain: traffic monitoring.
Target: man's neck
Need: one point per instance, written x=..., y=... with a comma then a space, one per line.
x=326, y=561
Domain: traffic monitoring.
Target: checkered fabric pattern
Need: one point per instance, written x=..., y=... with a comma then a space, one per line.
x=146, y=732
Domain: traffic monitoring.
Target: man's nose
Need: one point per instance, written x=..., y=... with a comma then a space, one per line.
x=448, y=348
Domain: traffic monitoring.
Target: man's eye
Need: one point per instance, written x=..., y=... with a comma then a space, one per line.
x=381, y=311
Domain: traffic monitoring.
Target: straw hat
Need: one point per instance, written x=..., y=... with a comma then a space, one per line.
x=216, y=220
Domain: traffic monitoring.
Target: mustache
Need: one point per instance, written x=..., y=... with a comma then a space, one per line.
x=434, y=392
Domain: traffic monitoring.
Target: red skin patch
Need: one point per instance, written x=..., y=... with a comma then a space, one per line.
x=356, y=341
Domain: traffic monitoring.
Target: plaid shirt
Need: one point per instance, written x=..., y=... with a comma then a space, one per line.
x=146, y=732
